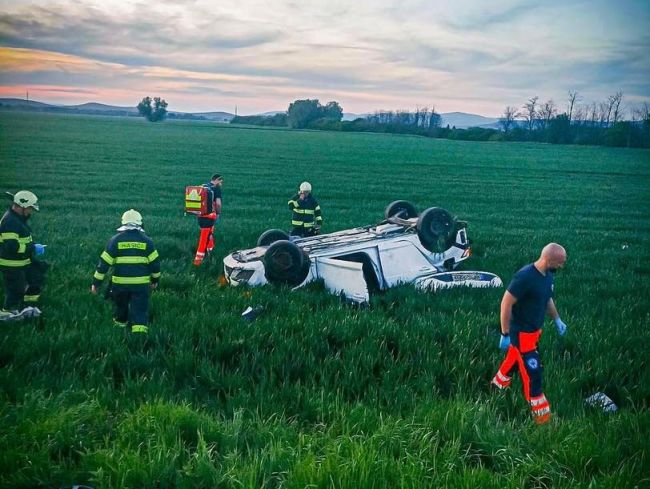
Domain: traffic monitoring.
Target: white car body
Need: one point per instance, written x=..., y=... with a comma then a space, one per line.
x=391, y=253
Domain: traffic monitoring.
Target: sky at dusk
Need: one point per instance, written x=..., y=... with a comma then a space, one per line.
x=470, y=56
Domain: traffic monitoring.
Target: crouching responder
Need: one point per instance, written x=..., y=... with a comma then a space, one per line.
x=206, y=221
x=306, y=217
x=528, y=299
x=23, y=274
x=136, y=270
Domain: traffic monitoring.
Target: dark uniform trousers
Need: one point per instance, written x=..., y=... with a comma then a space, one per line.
x=23, y=285
x=131, y=305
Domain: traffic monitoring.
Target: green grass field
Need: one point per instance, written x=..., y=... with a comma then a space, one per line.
x=315, y=393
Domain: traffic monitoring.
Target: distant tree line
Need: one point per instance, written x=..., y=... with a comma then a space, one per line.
x=596, y=124
x=279, y=120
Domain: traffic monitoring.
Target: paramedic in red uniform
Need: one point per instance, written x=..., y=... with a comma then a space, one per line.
x=206, y=221
x=528, y=299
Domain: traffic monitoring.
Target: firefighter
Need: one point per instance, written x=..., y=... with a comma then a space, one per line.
x=306, y=217
x=23, y=274
x=206, y=221
x=136, y=270
x=524, y=305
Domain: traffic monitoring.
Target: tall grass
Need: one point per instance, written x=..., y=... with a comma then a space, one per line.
x=315, y=393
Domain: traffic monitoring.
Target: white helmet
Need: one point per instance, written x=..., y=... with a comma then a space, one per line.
x=305, y=187
x=132, y=217
x=26, y=199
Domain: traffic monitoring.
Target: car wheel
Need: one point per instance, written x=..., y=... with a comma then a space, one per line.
x=400, y=208
x=435, y=229
x=271, y=236
x=284, y=263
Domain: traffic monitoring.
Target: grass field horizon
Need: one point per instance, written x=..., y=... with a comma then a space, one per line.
x=315, y=393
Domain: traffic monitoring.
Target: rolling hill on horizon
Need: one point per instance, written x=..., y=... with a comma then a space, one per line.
x=460, y=120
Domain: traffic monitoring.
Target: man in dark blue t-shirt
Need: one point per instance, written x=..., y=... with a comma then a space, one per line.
x=524, y=305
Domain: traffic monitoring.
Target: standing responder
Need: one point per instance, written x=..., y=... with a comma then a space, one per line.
x=306, y=217
x=136, y=270
x=23, y=274
x=528, y=299
x=206, y=221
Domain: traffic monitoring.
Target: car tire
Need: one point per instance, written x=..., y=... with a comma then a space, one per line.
x=271, y=236
x=285, y=264
x=400, y=208
x=436, y=228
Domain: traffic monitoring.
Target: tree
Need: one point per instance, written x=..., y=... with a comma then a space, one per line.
x=546, y=112
x=573, y=98
x=153, y=114
x=332, y=111
x=616, y=107
x=301, y=112
x=559, y=130
x=507, y=120
x=530, y=112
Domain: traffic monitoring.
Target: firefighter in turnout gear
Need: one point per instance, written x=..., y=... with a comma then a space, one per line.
x=524, y=305
x=22, y=272
x=306, y=217
x=206, y=221
x=136, y=270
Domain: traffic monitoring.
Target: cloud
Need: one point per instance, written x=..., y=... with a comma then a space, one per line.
x=462, y=55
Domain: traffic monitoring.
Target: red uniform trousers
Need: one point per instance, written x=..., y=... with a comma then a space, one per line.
x=523, y=353
x=206, y=236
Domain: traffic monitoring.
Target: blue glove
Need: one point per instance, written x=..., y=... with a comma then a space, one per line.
x=504, y=342
x=39, y=249
x=560, y=326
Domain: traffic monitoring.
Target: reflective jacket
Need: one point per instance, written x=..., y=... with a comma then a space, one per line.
x=134, y=259
x=16, y=246
x=305, y=213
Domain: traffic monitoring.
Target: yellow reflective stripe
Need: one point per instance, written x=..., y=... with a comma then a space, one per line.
x=31, y=298
x=107, y=258
x=296, y=223
x=293, y=202
x=14, y=263
x=128, y=245
x=99, y=276
x=155, y=275
x=317, y=208
x=153, y=255
x=139, y=328
x=308, y=224
x=4, y=236
x=131, y=260
x=131, y=280
x=192, y=205
x=119, y=324
x=319, y=218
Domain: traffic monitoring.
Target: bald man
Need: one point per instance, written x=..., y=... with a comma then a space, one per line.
x=524, y=305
